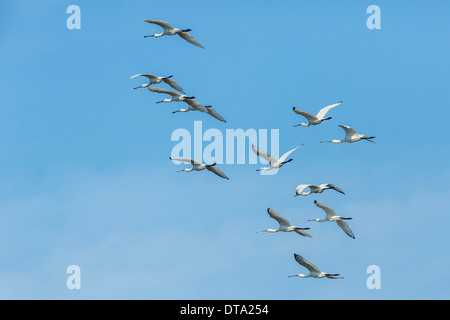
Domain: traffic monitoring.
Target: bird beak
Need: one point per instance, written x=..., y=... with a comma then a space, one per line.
x=137, y=87
x=292, y=276
x=149, y=36
x=160, y=101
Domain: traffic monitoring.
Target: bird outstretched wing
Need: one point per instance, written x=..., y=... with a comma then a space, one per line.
x=149, y=76
x=191, y=161
x=305, y=263
x=349, y=131
x=166, y=26
x=265, y=155
x=307, y=115
x=189, y=38
x=344, y=226
x=215, y=114
x=217, y=171
x=284, y=156
x=196, y=105
x=332, y=186
x=161, y=90
x=173, y=84
x=280, y=219
x=324, y=111
x=330, y=212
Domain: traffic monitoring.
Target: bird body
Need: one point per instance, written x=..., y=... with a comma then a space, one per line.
x=314, y=120
x=168, y=30
x=300, y=190
x=333, y=217
x=351, y=136
x=197, y=166
x=273, y=162
x=285, y=225
x=156, y=80
x=314, y=272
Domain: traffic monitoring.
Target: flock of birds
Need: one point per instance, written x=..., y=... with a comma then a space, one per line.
x=351, y=136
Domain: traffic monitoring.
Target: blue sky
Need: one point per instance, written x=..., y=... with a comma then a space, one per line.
x=86, y=179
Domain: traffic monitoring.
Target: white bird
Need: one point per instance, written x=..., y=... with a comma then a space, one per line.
x=333, y=217
x=315, y=119
x=193, y=105
x=155, y=80
x=274, y=162
x=314, y=272
x=284, y=225
x=175, y=96
x=351, y=136
x=170, y=31
x=197, y=166
x=299, y=191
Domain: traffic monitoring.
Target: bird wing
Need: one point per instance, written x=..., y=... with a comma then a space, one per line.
x=300, y=188
x=196, y=105
x=332, y=186
x=265, y=155
x=280, y=219
x=284, y=156
x=149, y=76
x=191, y=161
x=330, y=212
x=324, y=111
x=161, y=90
x=349, y=131
x=166, y=26
x=344, y=226
x=215, y=114
x=303, y=233
x=307, y=115
x=189, y=38
x=217, y=171
x=173, y=84
x=305, y=263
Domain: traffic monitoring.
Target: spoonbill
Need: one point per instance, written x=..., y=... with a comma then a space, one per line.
x=314, y=272
x=315, y=119
x=284, y=225
x=197, y=166
x=333, y=217
x=175, y=96
x=168, y=30
x=315, y=189
x=351, y=136
x=155, y=80
x=274, y=162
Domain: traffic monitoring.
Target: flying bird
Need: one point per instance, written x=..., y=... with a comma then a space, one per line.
x=333, y=217
x=155, y=80
x=285, y=225
x=351, y=136
x=168, y=30
x=314, y=272
x=197, y=166
x=300, y=191
x=274, y=162
x=315, y=119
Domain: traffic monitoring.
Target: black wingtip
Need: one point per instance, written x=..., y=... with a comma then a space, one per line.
x=170, y=158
